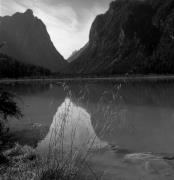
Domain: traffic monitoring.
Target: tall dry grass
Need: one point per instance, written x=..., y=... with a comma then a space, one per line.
x=60, y=164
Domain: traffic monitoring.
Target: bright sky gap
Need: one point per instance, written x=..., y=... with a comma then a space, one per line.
x=68, y=22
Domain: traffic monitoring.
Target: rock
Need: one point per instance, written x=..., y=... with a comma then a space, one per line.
x=141, y=157
x=28, y=41
x=170, y=158
x=150, y=163
x=36, y=125
x=132, y=37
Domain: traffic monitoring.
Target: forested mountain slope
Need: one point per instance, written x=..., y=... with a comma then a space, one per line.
x=132, y=37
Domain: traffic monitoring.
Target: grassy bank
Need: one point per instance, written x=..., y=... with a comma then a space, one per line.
x=24, y=162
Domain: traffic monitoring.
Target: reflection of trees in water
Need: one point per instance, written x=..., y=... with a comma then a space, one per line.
x=103, y=104
x=149, y=93
x=109, y=102
x=27, y=88
x=134, y=93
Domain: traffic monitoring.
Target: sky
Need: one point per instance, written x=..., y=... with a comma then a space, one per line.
x=68, y=21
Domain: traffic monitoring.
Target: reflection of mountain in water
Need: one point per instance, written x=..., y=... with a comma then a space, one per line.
x=136, y=93
x=140, y=114
x=71, y=129
x=27, y=88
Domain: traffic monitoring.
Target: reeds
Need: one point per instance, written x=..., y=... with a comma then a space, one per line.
x=60, y=162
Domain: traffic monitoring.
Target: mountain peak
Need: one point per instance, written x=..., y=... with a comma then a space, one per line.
x=28, y=40
x=29, y=12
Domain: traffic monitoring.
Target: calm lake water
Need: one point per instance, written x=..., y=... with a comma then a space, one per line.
x=136, y=116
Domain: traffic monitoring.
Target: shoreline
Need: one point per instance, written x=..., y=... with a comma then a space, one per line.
x=118, y=78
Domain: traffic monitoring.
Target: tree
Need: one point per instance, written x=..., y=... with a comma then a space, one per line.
x=8, y=108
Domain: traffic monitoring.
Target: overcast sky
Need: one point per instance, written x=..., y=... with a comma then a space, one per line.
x=68, y=21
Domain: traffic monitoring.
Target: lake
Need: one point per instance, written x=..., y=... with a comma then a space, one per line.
x=126, y=124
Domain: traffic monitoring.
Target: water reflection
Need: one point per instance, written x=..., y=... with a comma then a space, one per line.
x=140, y=114
x=71, y=130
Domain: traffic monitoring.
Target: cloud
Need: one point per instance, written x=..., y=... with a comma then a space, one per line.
x=68, y=21
x=78, y=4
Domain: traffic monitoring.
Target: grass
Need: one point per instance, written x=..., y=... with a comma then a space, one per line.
x=21, y=162
x=25, y=163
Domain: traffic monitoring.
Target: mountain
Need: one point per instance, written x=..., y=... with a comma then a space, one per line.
x=25, y=38
x=76, y=54
x=132, y=37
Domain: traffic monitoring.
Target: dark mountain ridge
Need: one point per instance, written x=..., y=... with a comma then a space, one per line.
x=76, y=54
x=26, y=39
x=132, y=37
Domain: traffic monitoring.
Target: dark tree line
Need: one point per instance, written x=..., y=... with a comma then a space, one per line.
x=12, y=68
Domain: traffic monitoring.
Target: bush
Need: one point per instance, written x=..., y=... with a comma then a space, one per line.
x=8, y=108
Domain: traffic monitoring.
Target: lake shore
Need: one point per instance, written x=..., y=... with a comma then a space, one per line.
x=118, y=78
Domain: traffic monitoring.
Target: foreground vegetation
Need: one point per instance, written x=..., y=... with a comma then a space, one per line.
x=8, y=108
x=24, y=162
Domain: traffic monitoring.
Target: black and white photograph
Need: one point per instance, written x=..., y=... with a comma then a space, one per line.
x=86, y=89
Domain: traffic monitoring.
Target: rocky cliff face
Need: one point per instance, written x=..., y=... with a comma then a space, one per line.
x=77, y=54
x=132, y=37
x=25, y=38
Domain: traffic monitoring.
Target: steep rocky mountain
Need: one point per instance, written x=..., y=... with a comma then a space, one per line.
x=76, y=54
x=132, y=37
x=25, y=38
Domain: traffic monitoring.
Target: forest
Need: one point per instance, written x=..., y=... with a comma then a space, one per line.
x=12, y=68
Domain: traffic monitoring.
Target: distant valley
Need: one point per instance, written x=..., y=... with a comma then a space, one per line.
x=133, y=37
